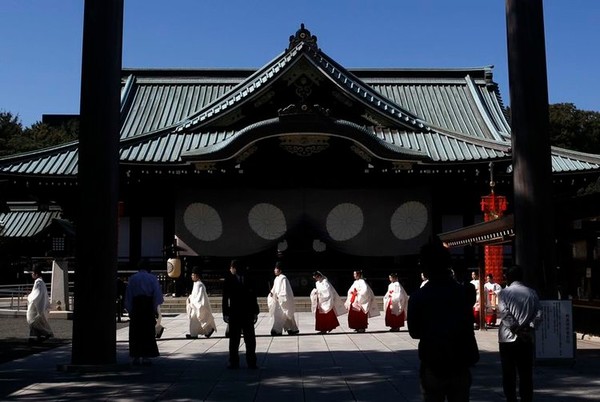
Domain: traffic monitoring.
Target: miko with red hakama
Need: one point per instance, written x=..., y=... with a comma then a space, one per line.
x=394, y=302
x=326, y=304
x=360, y=304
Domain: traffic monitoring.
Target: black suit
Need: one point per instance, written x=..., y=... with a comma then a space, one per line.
x=440, y=315
x=241, y=307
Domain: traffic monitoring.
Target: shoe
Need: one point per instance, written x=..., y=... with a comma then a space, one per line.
x=160, y=332
x=322, y=332
x=210, y=333
x=293, y=332
x=188, y=336
x=394, y=329
x=275, y=333
x=360, y=331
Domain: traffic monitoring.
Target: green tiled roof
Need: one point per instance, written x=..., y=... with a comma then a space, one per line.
x=439, y=116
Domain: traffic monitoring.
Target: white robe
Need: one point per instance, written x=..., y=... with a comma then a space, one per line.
x=397, y=296
x=199, y=312
x=38, y=309
x=325, y=298
x=281, y=305
x=365, y=298
x=475, y=282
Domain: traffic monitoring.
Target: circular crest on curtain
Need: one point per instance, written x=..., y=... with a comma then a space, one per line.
x=267, y=221
x=344, y=221
x=203, y=221
x=409, y=220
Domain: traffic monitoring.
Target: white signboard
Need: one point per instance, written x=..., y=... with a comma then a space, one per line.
x=554, y=333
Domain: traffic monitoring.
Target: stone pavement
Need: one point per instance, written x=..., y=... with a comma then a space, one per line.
x=340, y=366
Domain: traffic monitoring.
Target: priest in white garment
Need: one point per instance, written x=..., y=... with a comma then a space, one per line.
x=198, y=309
x=38, y=308
x=281, y=304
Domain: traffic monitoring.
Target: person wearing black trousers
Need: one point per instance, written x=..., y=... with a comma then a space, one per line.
x=240, y=311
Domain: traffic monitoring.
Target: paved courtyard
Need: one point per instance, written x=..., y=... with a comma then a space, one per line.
x=340, y=366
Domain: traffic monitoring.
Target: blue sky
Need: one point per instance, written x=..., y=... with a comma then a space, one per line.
x=40, y=50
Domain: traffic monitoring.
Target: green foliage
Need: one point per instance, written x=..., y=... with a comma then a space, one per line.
x=574, y=129
x=10, y=127
x=571, y=128
x=15, y=139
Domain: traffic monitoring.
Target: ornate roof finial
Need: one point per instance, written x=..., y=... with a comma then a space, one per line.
x=302, y=35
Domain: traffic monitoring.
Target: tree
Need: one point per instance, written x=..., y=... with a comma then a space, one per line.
x=10, y=127
x=574, y=129
x=15, y=139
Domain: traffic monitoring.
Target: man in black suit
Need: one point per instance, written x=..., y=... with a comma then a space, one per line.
x=240, y=311
x=440, y=315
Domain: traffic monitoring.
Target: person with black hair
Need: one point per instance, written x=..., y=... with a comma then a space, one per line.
x=142, y=300
x=240, y=311
x=395, y=302
x=326, y=304
x=447, y=345
x=519, y=309
x=282, y=305
x=360, y=303
x=38, y=308
x=198, y=309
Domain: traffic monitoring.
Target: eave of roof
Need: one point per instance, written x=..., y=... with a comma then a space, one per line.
x=496, y=231
x=25, y=223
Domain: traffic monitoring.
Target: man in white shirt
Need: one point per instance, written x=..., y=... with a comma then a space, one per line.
x=142, y=300
x=519, y=309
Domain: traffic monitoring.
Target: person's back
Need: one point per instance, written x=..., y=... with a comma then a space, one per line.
x=240, y=311
x=519, y=309
x=440, y=316
x=239, y=298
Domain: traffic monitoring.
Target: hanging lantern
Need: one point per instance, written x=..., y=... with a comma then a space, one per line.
x=493, y=207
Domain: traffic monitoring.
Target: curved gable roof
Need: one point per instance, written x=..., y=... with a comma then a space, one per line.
x=432, y=115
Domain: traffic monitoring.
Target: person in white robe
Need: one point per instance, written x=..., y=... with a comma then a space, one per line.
x=326, y=304
x=38, y=308
x=477, y=305
x=281, y=304
x=360, y=303
x=202, y=321
x=394, y=304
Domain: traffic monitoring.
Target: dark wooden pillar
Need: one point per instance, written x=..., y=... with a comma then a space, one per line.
x=94, y=327
x=532, y=169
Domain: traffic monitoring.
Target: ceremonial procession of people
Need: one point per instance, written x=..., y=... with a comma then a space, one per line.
x=447, y=345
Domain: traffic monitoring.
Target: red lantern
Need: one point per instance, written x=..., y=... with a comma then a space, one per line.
x=493, y=207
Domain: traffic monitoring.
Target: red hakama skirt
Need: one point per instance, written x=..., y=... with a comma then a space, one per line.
x=490, y=317
x=357, y=319
x=393, y=321
x=326, y=321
